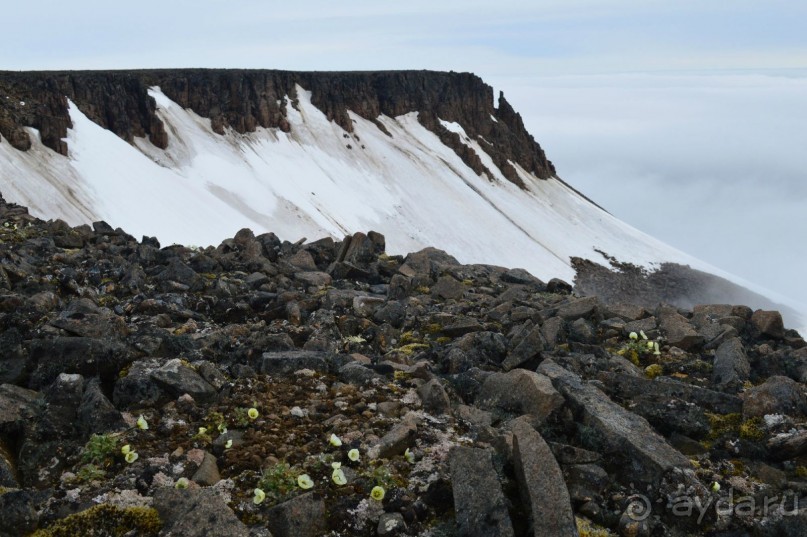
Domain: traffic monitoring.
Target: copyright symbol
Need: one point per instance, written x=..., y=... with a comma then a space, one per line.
x=639, y=507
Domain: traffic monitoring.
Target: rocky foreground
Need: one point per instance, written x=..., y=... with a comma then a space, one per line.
x=268, y=388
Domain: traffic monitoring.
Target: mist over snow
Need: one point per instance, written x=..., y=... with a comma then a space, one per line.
x=712, y=164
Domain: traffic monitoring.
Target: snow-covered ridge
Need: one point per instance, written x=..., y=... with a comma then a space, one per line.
x=319, y=180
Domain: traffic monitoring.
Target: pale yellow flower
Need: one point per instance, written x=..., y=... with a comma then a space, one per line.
x=377, y=493
x=353, y=455
x=338, y=477
x=259, y=496
x=304, y=482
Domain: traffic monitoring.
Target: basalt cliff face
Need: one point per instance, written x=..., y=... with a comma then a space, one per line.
x=243, y=100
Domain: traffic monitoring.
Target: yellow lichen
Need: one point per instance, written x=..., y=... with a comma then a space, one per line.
x=750, y=429
x=105, y=519
x=653, y=371
x=722, y=424
x=586, y=528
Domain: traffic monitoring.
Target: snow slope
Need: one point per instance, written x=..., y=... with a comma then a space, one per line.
x=319, y=180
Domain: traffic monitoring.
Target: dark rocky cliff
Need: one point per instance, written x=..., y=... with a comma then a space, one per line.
x=246, y=99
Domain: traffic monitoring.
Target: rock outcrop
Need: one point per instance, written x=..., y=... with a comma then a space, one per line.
x=244, y=100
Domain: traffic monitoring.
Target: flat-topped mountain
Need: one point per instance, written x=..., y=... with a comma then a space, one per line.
x=427, y=158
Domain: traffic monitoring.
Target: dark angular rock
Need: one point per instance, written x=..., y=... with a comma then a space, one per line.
x=286, y=363
x=396, y=441
x=578, y=308
x=768, y=323
x=447, y=288
x=521, y=392
x=207, y=474
x=480, y=506
x=678, y=331
x=586, y=482
x=777, y=395
x=137, y=387
x=12, y=357
x=179, y=272
x=313, y=278
x=582, y=331
x=302, y=516
x=391, y=524
x=558, y=286
x=19, y=512
x=541, y=484
x=196, y=513
x=788, y=446
x=528, y=348
x=434, y=397
x=356, y=373
x=86, y=356
x=731, y=366
x=428, y=262
x=649, y=456
x=627, y=386
x=17, y=405
x=177, y=379
x=522, y=277
x=96, y=413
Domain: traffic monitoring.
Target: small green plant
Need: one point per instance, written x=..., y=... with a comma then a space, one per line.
x=637, y=347
x=279, y=482
x=90, y=472
x=100, y=449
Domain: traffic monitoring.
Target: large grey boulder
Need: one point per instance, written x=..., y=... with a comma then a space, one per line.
x=481, y=509
x=777, y=395
x=678, y=331
x=731, y=366
x=177, y=379
x=196, y=513
x=302, y=516
x=541, y=484
x=521, y=392
x=664, y=389
x=650, y=458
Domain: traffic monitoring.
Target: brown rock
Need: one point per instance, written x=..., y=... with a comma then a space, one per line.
x=769, y=323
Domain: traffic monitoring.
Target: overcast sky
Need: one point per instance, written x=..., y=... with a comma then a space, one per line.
x=687, y=119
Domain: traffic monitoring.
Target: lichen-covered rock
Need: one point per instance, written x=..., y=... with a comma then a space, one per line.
x=478, y=499
x=196, y=513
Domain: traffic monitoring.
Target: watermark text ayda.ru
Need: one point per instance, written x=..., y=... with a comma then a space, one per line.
x=725, y=505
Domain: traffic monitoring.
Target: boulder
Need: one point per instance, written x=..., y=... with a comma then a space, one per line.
x=648, y=457
x=434, y=397
x=541, y=483
x=768, y=323
x=521, y=392
x=302, y=516
x=196, y=512
x=777, y=395
x=731, y=366
x=529, y=347
x=479, y=504
x=678, y=331
x=176, y=379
